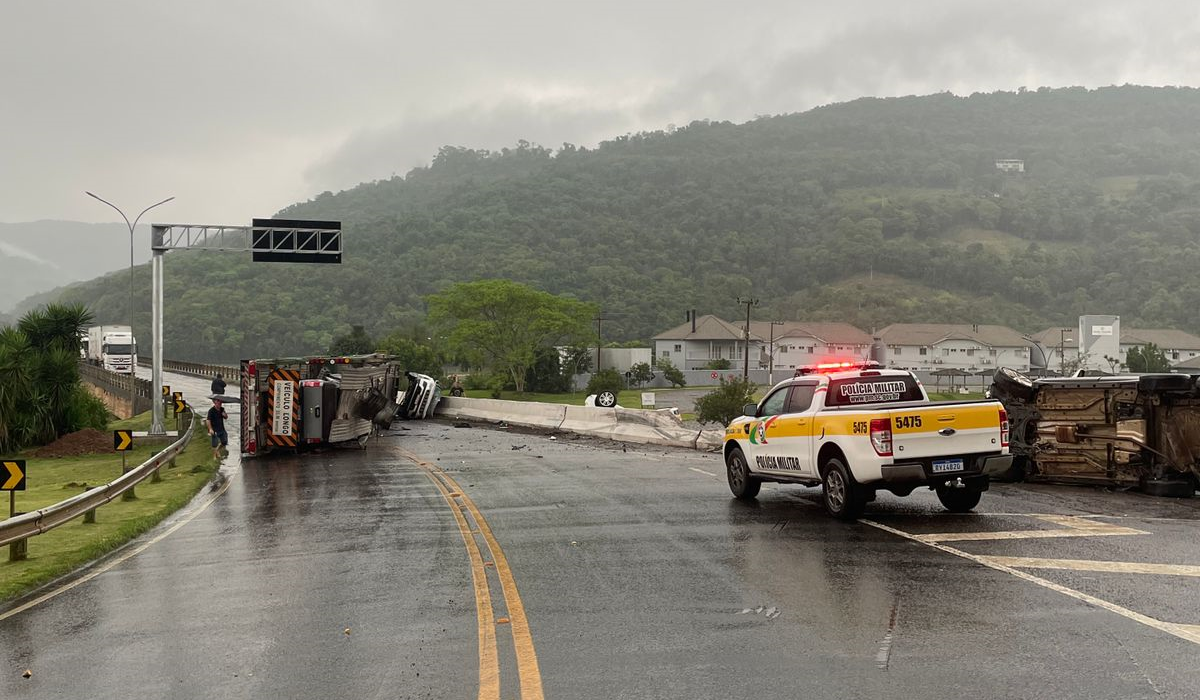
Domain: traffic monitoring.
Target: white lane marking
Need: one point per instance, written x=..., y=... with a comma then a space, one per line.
x=118, y=560
x=1189, y=632
x=1115, y=567
x=701, y=471
x=1076, y=527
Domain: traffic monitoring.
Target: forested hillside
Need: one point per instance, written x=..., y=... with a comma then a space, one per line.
x=874, y=211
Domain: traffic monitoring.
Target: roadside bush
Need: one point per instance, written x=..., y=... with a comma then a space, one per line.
x=606, y=380
x=718, y=364
x=723, y=404
x=671, y=373
x=641, y=373
x=87, y=411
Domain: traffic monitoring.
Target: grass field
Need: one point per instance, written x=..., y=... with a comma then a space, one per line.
x=70, y=546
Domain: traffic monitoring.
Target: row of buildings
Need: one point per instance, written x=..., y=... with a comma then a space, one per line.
x=914, y=346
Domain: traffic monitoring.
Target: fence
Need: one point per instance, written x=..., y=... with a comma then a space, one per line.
x=119, y=386
x=196, y=369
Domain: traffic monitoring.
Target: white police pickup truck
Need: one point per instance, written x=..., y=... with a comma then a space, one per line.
x=856, y=429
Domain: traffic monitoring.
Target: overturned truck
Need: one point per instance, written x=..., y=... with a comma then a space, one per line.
x=292, y=404
x=1130, y=431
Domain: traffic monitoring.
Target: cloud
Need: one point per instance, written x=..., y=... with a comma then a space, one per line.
x=550, y=121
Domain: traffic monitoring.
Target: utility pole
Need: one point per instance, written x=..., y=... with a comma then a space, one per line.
x=749, y=302
x=599, y=340
x=771, y=354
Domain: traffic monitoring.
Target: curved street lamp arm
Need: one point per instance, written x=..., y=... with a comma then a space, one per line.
x=93, y=196
x=139, y=216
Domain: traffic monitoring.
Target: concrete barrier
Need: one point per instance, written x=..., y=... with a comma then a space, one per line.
x=646, y=427
x=527, y=414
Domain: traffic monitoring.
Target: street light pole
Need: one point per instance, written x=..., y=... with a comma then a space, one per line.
x=132, y=337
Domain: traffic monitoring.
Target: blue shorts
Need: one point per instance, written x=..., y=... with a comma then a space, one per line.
x=220, y=437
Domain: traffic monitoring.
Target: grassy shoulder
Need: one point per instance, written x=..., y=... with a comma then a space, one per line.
x=74, y=544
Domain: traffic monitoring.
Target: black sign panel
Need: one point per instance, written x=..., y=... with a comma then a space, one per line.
x=296, y=240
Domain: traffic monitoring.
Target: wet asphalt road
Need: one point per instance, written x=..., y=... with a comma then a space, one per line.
x=346, y=574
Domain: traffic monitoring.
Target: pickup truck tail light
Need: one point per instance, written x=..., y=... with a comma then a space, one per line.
x=1003, y=428
x=881, y=436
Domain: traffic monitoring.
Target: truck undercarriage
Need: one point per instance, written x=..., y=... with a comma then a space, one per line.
x=1125, y=431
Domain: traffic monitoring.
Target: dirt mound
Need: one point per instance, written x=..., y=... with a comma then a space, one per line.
x=83, y=442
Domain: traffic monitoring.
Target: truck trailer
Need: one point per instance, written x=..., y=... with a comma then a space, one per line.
x=297, y=404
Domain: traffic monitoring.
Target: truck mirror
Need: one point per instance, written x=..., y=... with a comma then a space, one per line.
x=750, y=409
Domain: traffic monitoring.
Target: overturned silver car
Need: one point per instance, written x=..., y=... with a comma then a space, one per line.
x=1134, y=430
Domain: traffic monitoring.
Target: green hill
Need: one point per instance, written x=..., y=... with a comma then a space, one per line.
x=793, y=209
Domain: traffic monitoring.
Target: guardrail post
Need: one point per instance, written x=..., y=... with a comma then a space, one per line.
x=19, y=550
x=128, y=495
x=89, y=518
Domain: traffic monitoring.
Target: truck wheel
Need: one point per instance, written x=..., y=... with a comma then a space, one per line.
x=958, y=500
x=1012, y=383
x=742, y=483
x=842, y=496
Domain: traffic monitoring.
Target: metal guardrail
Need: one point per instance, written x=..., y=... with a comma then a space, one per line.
x=196, y=369
x=39, y=521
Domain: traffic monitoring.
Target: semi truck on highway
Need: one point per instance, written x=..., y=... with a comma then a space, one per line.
x=112, y=347
x=295, y=404
x=856, y=429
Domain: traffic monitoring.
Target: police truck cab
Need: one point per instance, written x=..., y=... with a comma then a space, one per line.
x=855, y=428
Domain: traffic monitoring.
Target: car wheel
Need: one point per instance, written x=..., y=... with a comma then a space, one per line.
x=606, y=399
x=742, y=483
x=842, y=497
x=1010, y=382
x=958, y=500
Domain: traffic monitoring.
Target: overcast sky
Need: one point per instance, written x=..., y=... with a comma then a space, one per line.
x=239, y=108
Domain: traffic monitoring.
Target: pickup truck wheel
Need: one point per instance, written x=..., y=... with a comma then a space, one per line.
x=958, y=500
x=744, y=485
x=842, y=497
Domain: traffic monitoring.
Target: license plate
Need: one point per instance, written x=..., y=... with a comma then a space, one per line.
x=947, y=465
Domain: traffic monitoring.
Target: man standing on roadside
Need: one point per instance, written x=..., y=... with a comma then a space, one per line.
x=216, y=428
x=218, y=386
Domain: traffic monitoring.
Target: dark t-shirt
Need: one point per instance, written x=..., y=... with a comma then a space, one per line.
x=218, y=387
x=216, y=419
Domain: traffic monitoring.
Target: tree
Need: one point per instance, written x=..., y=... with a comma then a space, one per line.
x=723, y=404
x=671, y=373
x=412, y=355
x=356, y=342
x=546, y=373
x=1147, y=358
x=501, y=323
x=576, y=359
x=40, y=393
x=640, y=373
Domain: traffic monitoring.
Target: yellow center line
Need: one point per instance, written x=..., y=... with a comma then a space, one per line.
x=1116, y=567
x=489, y=659
x=527, y=664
